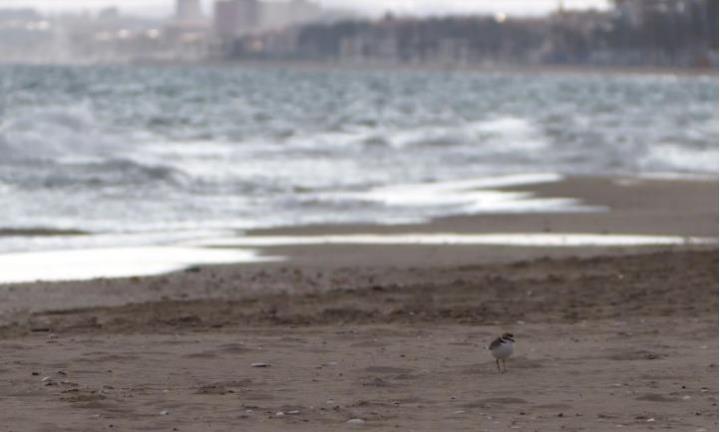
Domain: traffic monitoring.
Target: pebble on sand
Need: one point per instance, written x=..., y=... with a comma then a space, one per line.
x=356, y=421
x=260, y=365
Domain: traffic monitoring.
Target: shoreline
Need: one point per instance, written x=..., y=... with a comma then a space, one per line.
x=390, y=337
x=630, y=203
x=630, y=213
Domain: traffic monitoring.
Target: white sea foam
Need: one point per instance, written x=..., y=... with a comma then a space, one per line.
x=501, y=134
x=83, y=264
x=516, y=134
x=113, y=263
x=498, y=239
x=52, y=132
x=673, y=157
x=16, y=243
x=481, y=195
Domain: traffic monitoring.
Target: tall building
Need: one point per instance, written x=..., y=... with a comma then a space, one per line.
x=236, y=17
x=278, y=14
x=188, y=11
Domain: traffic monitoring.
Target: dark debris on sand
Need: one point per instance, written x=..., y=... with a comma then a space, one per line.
x=673, y=283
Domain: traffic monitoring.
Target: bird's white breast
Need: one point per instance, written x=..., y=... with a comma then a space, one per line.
x=504, y=351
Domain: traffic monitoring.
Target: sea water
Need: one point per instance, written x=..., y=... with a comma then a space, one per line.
x=138, y=156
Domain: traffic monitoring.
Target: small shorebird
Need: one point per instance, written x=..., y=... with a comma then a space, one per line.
x=502, y=348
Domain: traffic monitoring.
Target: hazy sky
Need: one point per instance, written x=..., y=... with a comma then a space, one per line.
x=165, y=7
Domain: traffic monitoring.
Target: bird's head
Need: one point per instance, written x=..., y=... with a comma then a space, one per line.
x=508, y=336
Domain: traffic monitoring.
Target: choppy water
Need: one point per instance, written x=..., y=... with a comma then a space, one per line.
x=146, y=155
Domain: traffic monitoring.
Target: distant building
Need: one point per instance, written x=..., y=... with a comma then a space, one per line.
x=279, y=14
x=234, y=18
x=188, y=11
x=20, y=14
x=304, y=11
x=109, y=14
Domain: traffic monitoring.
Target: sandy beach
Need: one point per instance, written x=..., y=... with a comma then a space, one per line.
x=348, y=337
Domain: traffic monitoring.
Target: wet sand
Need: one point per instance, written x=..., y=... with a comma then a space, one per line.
x=393, y=337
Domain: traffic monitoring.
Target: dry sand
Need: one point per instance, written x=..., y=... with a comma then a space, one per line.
x=608, y=339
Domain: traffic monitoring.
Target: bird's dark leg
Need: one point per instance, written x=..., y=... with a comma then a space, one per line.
x=504, y=366
x=497, y=361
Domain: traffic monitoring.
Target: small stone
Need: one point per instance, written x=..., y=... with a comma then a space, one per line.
x=356, y=421
x=260, y=365
x=650, y=420
x=279, y=414
x=164, y=412
x=293, y=412
x=36, y=373
x=44, y=379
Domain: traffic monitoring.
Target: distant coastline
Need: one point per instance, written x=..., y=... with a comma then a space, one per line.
x=316, y=65
x=499, y=69
x=540, y=69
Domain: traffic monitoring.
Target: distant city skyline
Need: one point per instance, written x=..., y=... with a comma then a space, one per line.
x=406, y=7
